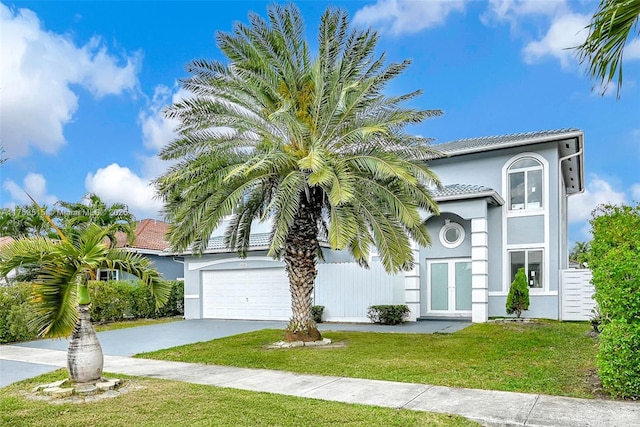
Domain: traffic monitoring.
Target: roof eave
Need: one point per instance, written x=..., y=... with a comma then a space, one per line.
x=517, y=143
x=493, y=197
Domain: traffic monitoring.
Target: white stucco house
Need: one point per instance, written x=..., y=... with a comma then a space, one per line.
x=503, y=206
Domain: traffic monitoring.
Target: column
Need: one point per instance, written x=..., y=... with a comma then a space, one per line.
x=479, y=270
x=412, y=284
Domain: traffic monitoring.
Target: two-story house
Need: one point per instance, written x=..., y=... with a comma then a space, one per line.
x=503, y=207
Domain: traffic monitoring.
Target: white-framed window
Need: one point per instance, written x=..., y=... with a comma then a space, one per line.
x=532, y=262
x=106, y=275
x=451, y=234
x=525, y=185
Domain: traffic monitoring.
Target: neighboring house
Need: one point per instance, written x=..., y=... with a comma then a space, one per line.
x=150, y=241
x=503, y=206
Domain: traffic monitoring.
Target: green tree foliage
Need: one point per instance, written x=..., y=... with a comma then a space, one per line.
x=579, y=253
x=310, y=142
x=615, y=262
x=23, y=221
x=518, y=298
x=611, y=27
x=93, y=210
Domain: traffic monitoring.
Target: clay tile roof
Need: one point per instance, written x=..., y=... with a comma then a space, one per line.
x=150, y=234
x=6, y=240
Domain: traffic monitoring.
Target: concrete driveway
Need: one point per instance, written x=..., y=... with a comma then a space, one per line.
x=130, y=341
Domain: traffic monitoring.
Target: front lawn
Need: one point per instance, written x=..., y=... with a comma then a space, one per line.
x=169, y=403
x=546, y=357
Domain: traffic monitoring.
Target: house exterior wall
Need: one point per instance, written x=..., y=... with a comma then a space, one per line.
x=346, y=290
x=507, y=231
x=170, y=269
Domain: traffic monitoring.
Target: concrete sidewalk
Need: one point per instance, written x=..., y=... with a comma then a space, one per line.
x=491, y=408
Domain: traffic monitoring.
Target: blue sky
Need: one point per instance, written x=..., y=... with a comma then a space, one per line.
x=83, y=85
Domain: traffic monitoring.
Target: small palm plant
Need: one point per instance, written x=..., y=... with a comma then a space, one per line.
x=518, y=298
x=62, y=269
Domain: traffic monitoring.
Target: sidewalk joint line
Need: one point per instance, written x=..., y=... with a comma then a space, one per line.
x=323, y=385
x=535, y=402
x=428, y=387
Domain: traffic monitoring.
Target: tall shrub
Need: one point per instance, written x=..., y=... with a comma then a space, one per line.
x=518, y=298
x=16, y=313
x=615, y=262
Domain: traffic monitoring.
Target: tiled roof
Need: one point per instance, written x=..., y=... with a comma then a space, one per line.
x=487, y=143
x=6, y=240
x=466, y=191
x=150, y=234
x=459, y=190
x=255, y=240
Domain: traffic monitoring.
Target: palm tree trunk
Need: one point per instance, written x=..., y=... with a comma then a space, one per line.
x=301, y=248
x=84, y=356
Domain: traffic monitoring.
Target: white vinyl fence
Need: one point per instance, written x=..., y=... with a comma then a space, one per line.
x=576, y=302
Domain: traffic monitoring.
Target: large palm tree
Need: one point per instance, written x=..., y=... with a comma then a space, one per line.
x=62, y=269
x=311, y=143
x=610, y=28
x=92, y=209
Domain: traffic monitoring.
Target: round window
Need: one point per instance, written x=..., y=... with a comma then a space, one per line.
x=451, y=235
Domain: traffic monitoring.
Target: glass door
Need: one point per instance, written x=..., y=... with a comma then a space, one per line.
x=449, y=286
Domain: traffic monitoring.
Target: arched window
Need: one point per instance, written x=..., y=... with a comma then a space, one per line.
x=525, y=184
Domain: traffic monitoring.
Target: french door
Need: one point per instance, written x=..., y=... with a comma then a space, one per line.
x=449, y=286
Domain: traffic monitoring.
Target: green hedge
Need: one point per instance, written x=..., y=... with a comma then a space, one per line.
x=614, y=259
x=117, y=300
x=388, y=314
x=111, y=301
x=16, y=313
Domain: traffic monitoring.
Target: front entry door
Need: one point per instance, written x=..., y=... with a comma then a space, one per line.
x=449, y=287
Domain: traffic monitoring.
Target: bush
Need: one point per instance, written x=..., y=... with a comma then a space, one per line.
x=618, y=358
x=16, y=313
x=614, y=259
x=117, y=300
x=388, y=314
x=518, y=298
x=316, y=312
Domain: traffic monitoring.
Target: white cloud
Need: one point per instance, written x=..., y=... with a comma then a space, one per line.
x=39, y=68
x=598, y=191
x=119, y=184
x=407, y=16
x=34, y=184
x=513, y=10
x=566, y=32
x=632, y=50
x=157, y=130
x=635, y=193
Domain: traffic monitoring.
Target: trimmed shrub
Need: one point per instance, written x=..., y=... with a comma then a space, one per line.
x=316, y=312
x=388, y=314
x=117, y=300
x=111, y=301
x=518, y=298
x=614, y=259
x=16, y=313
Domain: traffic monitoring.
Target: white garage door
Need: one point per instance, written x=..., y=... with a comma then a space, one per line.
x=253, y=294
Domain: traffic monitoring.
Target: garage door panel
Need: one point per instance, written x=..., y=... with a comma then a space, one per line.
x=255, y=294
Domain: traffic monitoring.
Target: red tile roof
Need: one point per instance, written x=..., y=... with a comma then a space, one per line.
x=6, y=240
x=150, y=234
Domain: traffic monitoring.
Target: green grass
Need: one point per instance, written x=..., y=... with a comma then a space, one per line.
x=123, y=324
x=547, y=357
x=168, y=403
